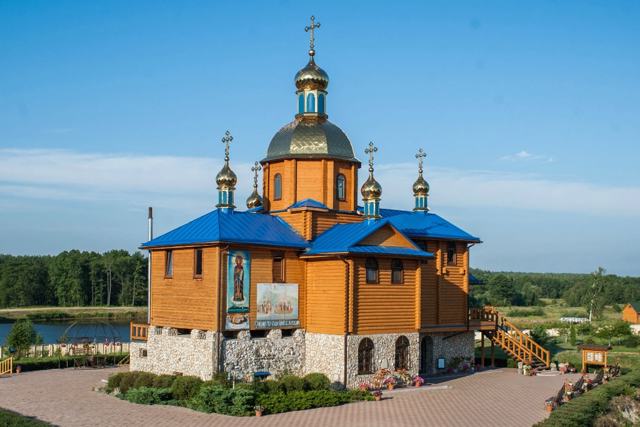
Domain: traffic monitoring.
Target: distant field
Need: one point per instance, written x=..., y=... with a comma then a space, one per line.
x=550, y=314
x=66, y=313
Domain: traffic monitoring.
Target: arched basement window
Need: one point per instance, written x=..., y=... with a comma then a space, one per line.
x=371, y=265
x=397, y=271
x=365, y=357
x=277, y=187
x=341, y=191
x=301, y=103
x=321, y=103
x=402, y=353
x=311, y=103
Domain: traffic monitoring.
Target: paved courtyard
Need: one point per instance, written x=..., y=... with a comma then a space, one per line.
x=489, y=398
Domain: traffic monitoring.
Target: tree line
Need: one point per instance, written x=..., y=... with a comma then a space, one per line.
x=74, y=278
x=592, y=291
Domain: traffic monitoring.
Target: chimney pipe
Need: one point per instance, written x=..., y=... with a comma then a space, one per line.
x=150, y=220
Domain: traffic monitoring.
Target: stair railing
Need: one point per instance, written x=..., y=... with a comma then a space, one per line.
x=6, y=366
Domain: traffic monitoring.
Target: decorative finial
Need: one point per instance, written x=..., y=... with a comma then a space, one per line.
x=370, y=150
x=312, y=40
x=256, y=168
x=226, y=140
x=420, y=156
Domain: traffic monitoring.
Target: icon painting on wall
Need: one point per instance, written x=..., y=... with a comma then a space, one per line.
x=277, y=305
x=238, y=281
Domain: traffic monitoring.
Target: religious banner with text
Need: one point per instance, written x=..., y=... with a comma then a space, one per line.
x=277, y=305
x=238, y=281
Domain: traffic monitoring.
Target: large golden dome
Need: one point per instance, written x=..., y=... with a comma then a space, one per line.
x=312, y=77
x=310, y=139
x=371, y=189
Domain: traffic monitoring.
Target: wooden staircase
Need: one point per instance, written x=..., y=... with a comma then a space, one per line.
x=515, y=343
x=6, y=367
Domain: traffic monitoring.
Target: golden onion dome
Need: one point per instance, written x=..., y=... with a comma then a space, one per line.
x=312, y=77
x=254, y=200
x=226, y=178
x=371, y=189
x=421, y=186
x=310, y=139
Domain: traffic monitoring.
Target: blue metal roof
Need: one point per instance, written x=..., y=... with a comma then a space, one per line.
x=429, y=225
x=473, y=280
x=344, y=238
x=308, y=203
x=232, y=227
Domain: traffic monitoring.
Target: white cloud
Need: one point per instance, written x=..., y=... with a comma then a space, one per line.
x=525, y=155
x=188, y=184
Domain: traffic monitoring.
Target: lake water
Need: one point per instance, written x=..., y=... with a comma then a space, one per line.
x=87, y=330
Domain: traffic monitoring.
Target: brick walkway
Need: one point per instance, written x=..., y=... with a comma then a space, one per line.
x=490, y=398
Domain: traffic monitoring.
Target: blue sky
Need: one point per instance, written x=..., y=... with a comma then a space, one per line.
x=529, y=113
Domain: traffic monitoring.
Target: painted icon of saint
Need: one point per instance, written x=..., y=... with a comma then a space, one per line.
x=238, y=279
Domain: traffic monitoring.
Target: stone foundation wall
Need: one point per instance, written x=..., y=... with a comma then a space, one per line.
x=169, y=353
x=325, y=354
x=384, y=355
x=459, y=345
x=243, y=356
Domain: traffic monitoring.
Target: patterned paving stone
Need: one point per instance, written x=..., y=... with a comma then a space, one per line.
x=489, y=398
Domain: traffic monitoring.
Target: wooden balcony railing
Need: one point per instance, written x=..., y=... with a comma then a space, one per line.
x=6, y=366
x=139, y=331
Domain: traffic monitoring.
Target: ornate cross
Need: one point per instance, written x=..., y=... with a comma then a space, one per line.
x=226, y=140
x=312, y=27
x=255, y=169
x=370, y=150
x=420, y=156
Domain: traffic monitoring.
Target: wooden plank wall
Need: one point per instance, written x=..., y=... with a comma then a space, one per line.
x=385, y=307
x=387, y=236
x=322, y=221
x=171, y=297
x=326, y=290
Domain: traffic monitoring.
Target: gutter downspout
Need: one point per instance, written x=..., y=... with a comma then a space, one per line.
x=223, y=251
x=346, y=314
x=469, y=246
x=150, y=232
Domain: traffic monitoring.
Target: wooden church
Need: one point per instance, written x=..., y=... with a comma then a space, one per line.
x=305, y=279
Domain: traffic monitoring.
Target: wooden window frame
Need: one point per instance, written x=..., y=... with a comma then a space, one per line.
x=365, y=356
x=281, y=257
x=402, y=347
x=168, y=260
x=393, y=270
x=277, y=177
x=197, y=275
x=344, y=187
x=454, y=260
x=367, y=268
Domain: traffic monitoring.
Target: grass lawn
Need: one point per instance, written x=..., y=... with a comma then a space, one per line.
x=72, y=313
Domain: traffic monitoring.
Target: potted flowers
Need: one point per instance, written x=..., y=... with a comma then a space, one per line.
x=549, y=404
x=377, y=395
x=417, y=381
x=403, y=377
x=259, y=410
x=390, y=382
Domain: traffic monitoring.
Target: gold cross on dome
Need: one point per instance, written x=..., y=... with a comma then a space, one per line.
x=311, y=28
x=420, y=156
x=255, y=169
x=226, y=140
x=370, y=150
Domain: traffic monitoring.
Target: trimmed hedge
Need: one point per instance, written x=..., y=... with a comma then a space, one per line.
x=185, y=387
x=583, y=410
x=316, y=381
x=239, y=401
x=13, y=419
x=149, y=395
x=54, y=362
x=275, y=403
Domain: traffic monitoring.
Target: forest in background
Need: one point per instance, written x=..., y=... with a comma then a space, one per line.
x=74, y=278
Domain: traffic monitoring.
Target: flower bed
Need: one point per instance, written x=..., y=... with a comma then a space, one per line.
x=287, y=393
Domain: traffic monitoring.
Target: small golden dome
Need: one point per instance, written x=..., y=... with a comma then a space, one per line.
x=226, y=178
x=421, y=186
x=254, y=200
x=312, y=77
x=371, y=189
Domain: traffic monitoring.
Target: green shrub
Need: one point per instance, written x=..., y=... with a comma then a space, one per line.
x=222, y=379
x=163, y=381
x=518, y=312
x=58, y=362
x=298, y=400
x=114, y=381
x=185, y=387
x=127, y=381
x=631, y=341
x=289, y=383
x=144, y=379
x=148, y=395
x=13, y=419
x=316, y=381
x=221, y=400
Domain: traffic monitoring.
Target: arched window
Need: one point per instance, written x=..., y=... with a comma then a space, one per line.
x=341, y=190
x=301, y=103
x=402, y=353
x=371, y=265
x=397, y=271
x=365, y=357
x=311, y=103
x=277, y=187
x=321, y=103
